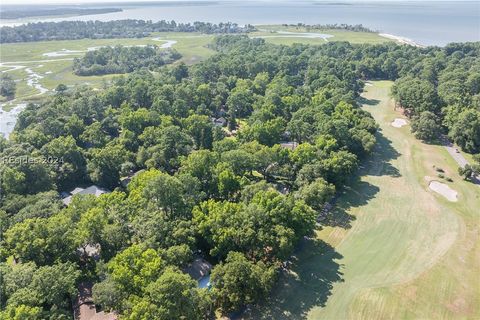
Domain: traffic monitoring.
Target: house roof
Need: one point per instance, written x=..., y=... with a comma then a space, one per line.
x=76, y=190
x=219, y=121
x=84, y=308
x=93, y=189
x=96, y=191
x=126, y=180
x=289, y=145
x=199, y=268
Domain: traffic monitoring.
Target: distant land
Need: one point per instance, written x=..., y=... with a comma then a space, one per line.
x=54, y=12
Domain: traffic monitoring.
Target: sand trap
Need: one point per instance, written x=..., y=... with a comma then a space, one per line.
x=444, y=190
x=398, y=123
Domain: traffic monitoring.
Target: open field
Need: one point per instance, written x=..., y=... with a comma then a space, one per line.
x=394, y=249
x=52, y=60
x=273, y=35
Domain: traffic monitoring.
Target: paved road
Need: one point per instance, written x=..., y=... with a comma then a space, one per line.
x=462, y=162
x=457, y=156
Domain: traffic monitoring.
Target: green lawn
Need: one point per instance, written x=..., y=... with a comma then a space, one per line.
x=338, y=35
x=394, y=249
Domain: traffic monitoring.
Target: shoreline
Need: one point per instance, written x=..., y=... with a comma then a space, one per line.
x=402, y=40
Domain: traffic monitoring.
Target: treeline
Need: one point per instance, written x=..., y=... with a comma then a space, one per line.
x=233, y=193
x=441, y=93
x=335, y=26
x=120, y=59
x=18, y=14
x=74, y=30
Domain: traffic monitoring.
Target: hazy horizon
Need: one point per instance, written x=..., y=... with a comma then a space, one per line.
x=76, y=2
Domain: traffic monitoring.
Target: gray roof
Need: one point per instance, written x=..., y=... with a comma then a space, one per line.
x=93, y=189
x=289, y=145
x=199, y=268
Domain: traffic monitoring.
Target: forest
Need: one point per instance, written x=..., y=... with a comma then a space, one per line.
x=442, y=95
x=241, y=193
x=74, y=30
x=120, y=59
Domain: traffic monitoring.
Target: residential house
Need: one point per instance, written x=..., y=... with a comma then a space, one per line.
x=96, y=191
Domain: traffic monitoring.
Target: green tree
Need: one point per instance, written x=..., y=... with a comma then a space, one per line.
x=56, y=284
x=67, y=160
x=90, y=227
x=7, y=85
x=167, y=193
x=21, y=312
x=317, y=193
x=42, y=240
x=415, y=95
x=228, y=182
x=200, y=128
x=466, y=130
x=425, y=127
x=108, y=295
x=135, y=268
x=104, y=164
x=238, y=281
x=175, y=296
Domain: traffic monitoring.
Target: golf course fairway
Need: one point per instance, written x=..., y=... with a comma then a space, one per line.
x=394, y=249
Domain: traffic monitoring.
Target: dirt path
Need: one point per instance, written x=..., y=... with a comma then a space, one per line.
x=390, y=231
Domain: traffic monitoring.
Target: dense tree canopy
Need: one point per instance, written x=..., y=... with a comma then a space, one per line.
x=442, y=90
x=120, y=59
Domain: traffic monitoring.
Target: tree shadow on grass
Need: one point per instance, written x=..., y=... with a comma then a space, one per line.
x=315, y=267
x=379, y=162
x=308, y=284
x=353, y=195
x=368, y=102
x=356, y=192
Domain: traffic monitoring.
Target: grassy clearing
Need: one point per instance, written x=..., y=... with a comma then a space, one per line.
x=394, y=250
x=338, y=35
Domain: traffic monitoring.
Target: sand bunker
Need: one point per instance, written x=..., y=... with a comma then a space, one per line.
x=444, y=190
x=398, y=123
